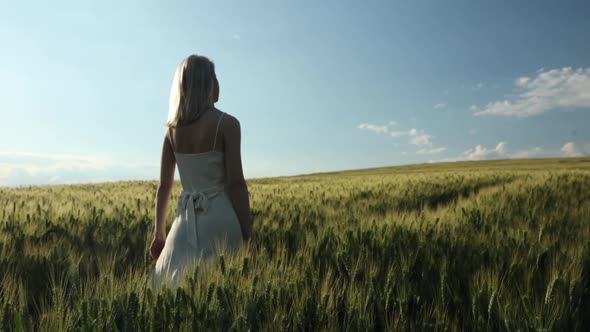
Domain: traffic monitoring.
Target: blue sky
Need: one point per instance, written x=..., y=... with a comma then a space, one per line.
x=316, y=85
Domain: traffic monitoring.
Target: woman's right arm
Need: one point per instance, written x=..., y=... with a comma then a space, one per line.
x=236, y=184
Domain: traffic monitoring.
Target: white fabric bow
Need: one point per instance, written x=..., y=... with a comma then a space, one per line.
x=190, y=201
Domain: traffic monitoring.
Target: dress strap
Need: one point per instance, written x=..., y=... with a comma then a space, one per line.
x=217, y=129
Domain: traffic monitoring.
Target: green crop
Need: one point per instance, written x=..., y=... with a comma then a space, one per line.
x=495, y=245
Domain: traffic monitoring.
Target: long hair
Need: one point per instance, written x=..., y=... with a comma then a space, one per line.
x=193, y=90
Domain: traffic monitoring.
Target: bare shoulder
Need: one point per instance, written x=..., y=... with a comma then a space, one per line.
x=230, y=124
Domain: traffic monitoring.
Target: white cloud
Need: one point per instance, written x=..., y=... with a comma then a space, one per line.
x=392, y=123
x=28, y=168
x=556, y=89
x=398, y=133
x=432, y=151
x=522, y=81
x=478, y=86
x=440, y=105
x=416, y=137
x=500, y=151
x=480, y=152
x=375, y=128
x=39, y=163
x=570, y=149
x=8, y=154
x=535, y=152
x=420, y=138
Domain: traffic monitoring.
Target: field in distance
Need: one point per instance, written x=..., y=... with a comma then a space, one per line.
x=487, y=245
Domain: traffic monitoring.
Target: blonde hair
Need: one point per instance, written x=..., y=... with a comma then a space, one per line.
x=192, y=91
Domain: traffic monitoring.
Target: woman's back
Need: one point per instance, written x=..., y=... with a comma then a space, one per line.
x=199, y=136
x=200, y=168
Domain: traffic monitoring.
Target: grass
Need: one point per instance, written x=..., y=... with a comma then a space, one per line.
x=494, y=245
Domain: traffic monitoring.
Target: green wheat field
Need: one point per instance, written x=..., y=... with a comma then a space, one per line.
x=493, y=245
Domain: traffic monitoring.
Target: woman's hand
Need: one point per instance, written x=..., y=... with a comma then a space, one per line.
x=157, y=246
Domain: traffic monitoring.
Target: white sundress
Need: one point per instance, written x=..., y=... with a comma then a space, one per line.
x=205, y=217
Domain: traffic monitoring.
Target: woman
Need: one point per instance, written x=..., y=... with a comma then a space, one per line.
x=213, y=207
